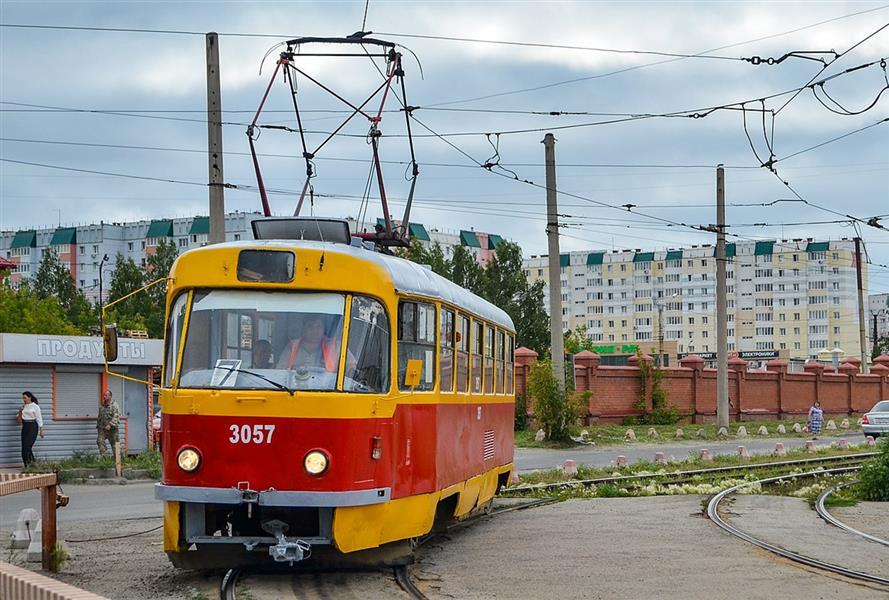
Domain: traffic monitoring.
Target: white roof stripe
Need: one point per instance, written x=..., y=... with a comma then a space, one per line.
x=407, y=277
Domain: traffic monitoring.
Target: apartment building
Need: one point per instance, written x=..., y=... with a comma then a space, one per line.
x=878, y=316
x=90, y=251
x=793, y=298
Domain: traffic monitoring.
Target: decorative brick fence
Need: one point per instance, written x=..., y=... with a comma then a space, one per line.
x=753, y=395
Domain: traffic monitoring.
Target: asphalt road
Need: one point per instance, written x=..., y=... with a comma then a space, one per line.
x=136, y=500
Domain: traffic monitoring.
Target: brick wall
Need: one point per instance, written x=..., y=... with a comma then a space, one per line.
x=753, y=395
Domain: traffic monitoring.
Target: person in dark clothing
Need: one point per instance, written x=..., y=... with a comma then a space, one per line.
x=32, y=424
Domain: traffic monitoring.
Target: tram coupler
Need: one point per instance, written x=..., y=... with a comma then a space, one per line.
x=285, y=550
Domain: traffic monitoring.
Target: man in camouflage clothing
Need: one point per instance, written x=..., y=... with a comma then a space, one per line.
x=107, y=423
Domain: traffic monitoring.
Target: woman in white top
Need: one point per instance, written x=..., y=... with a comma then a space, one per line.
x=32, y=424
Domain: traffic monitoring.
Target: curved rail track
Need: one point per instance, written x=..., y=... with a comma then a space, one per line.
x=675, y=477
x=822, y=511
x=713, y=514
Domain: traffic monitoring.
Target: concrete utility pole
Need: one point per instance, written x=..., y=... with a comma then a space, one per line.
x=214, y=142
x=721, y=317
x=557, y=342
x=862, y=336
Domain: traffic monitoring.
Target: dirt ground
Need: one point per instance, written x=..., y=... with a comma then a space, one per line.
x=615, y=548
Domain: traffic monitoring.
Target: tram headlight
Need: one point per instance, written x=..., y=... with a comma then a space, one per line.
x=316, y=462
x=188, y=460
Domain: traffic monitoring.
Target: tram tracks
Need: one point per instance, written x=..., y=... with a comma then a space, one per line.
x=821, y=509
x=713, y=512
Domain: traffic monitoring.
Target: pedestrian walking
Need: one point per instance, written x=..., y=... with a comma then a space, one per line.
x=107, y=423
x=32, y=424
x=816, y=416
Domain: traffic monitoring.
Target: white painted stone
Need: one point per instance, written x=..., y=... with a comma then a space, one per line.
x=831, y=426
x=652, y=433
x=701, y=433
x=680, y=433
x=843, y=444
x=570, y=468
x=742, y=431
x=870, y=441
x=540, y=435
x=762, y=430
x=660, y=457
x=742, y=453
x=630, y=435
x=35, y=548
x=780, y=450
x=810, y=447
x=585, y=435
x=25, y=526
x=797, y=428
x=706, y=456
x=844, y=424
x=782, y=429
x=723, y=432
x=622, y=461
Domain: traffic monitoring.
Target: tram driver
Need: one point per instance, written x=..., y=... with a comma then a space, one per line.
x=312, y=348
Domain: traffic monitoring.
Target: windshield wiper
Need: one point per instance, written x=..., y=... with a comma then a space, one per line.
x=277, y=385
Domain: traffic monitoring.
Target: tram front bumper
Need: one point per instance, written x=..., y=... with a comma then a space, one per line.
x=271, y=497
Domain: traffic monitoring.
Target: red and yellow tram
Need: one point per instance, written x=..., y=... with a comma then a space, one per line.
x=321, y=394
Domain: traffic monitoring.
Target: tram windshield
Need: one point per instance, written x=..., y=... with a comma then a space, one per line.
x=250, y=339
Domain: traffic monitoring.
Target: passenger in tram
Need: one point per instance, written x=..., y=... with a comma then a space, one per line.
x=262, y=355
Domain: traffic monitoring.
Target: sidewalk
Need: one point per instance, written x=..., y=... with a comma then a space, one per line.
x=535, y=459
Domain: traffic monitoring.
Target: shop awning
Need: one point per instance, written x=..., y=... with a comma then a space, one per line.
x=66, y=235
x=468, y=238
x=199, y=226
x=24, y=239
x=161, y=229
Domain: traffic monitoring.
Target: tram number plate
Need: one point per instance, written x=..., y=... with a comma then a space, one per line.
x=255, y=434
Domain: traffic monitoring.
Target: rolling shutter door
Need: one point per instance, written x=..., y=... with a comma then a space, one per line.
x=13, y=381
x=77, y=393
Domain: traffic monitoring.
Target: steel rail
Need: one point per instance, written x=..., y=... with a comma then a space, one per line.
x=713, y=514
x=689, y=473
x=822, y=511
x=228, y=584
x=406, y=582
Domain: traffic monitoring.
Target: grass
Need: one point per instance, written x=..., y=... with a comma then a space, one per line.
x=613, y=435
x=692, y=462
x=149, y=460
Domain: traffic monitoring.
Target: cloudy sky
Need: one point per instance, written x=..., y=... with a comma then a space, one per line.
x=665, y=166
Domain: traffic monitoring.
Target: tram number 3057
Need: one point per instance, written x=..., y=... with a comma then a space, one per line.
x=256, y=434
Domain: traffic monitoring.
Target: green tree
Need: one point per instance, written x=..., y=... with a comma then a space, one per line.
x=21, y=311
x=158, y=265
x=434, y=257
x=881, y=346
x=554, y=408
x=127, y=277
x=53, y=279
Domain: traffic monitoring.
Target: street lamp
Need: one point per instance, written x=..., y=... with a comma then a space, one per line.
x=101, y=266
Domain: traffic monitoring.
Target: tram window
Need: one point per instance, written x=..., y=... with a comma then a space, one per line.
x=489, y=360
x=498, y=363
x=367, y=369
x=446, y=351
x=174, y=336
x=416, y=340
x=478, y=350
x=510, y=354
x=462, y=354
x=251, y=339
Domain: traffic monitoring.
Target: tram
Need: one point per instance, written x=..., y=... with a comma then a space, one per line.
x=318, y=395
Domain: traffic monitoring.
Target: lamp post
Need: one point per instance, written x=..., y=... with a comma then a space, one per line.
x=101, y=266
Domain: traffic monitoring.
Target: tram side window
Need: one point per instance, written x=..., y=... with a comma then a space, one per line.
x=416, y=340
x=367, y=369
x=446, y=343
x=478, y=345
x=498, y=364
x=462, y=354
x=510, y=354
x=489, y=360
x=174, y=336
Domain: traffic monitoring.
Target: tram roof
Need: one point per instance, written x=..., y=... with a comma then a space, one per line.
x=407, y=277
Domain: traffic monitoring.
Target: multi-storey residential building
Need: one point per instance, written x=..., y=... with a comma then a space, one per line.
x=878, y=316
x=90, y=251
x=794, y=297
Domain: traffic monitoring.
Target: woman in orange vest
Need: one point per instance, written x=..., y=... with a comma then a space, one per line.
x=311, y=349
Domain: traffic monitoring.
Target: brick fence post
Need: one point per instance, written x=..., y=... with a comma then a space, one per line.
x=524, y=358
x=696, y=363
x=779, y=366
x=882, y=361
x=849, y=369
x=588, y=362
x=817, y=369
x=739, y=366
